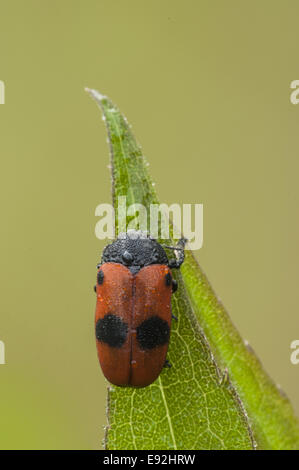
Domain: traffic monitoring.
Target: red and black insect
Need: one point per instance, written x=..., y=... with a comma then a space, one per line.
x=133, y=311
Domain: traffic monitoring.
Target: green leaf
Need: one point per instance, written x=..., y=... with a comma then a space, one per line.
x=271, y=415
x=193, y=405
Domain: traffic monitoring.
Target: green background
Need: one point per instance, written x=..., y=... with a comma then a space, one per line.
x=206, y=85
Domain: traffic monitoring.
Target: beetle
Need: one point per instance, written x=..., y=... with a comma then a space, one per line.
x=133, y=309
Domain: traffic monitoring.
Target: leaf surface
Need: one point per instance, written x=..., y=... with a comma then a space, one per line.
x=270, y=412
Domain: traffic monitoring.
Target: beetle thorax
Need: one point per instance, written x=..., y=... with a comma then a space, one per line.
x=134, y=249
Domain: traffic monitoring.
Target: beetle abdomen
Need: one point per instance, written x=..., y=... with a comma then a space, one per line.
x=133, y=319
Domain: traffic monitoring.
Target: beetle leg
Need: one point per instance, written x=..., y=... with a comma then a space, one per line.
x=95, y=288
x=174, y=317
x=179, y=248
x=174, y=285
x=167, y=364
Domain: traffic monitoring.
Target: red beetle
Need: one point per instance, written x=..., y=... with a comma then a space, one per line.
x=133, y=311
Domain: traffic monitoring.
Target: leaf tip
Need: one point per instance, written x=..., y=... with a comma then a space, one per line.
x=96, y=95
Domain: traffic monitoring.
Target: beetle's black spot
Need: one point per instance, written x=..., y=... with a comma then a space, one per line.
x=153, y=332
x=111, y=330
x=100, y=277
x=168, y=279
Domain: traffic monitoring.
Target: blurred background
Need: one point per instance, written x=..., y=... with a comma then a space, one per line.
x=206, y=86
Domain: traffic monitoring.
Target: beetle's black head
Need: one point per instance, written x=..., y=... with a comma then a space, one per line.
x=134, y=249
